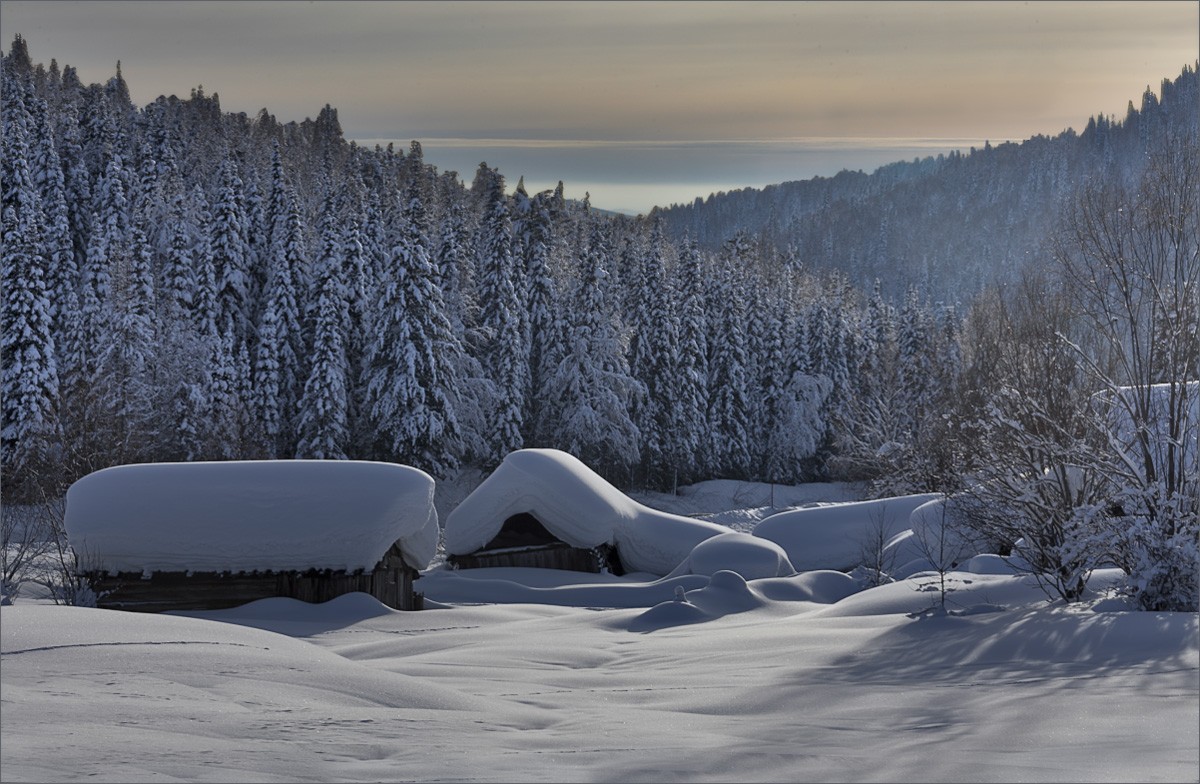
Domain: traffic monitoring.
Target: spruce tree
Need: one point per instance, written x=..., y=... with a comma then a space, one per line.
x=323, y=426
x=277, y=364
x=62, y=271
x=729, y=402
x=412, y=385
x=653, y=361
x=231, y=254
x=592, y=386
x=29, y=431
x=538, y=245
x=129, y=357
x=691, y=447
x=505, y=355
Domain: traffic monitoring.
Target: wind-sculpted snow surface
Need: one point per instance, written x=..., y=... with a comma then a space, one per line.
x=835, y=536
x=577, y=506
x=251, y=515
x=777, y=679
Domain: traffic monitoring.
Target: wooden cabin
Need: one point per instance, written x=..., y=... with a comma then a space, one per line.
x=213, y=535
x=391, y=582
x=523, y=541
x=545, y=508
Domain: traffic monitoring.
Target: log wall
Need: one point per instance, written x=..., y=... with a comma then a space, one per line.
x=550, y=556
x=391, y=582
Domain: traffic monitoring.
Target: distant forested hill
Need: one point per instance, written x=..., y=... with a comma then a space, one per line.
x=950, y=224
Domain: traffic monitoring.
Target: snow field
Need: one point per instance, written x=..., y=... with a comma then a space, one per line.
x=771, y=690
x=734, y=666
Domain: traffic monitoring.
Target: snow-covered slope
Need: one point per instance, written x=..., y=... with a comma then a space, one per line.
x=251, y=515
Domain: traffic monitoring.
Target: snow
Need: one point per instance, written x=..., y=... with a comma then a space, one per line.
x=835, y=536
x=1186, y=418
x=728, y=682
x=940, y=533
x=577, y=506
x=719, y=500
x=251, y=515
x=549, y=675
x=744, y=554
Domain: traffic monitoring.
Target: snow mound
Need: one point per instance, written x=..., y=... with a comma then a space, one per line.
x=219, y=664
x=576, y=505
x=940, y=533
x=913, y=566
x=727, y=593
x=920, y=592
x=244, y=516
x=989, y=563
x=347, y=608
x=678, y=612
x=835, y=536
x=823, y=586
x=751, y=557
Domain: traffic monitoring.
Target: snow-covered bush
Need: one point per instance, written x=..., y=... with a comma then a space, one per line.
x=1152, y=535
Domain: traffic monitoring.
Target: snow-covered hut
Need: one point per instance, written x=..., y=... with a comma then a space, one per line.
x=211, y=535
x=544, y=508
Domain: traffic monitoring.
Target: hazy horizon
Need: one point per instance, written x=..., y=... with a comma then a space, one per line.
x=639, y=103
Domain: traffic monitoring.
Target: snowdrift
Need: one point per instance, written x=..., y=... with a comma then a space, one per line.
x=251, y=516
x=834, y=537
x=749, y=556
x=577, y=506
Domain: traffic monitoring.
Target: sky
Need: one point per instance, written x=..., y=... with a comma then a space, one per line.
x=638, y=103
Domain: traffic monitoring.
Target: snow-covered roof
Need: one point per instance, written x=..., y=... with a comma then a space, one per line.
x=577, y=506
x=251, y=515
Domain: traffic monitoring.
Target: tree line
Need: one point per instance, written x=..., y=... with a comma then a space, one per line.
x=183, y=284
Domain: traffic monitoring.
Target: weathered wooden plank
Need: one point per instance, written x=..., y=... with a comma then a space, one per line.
x=391, y=582
x=164, y=591
x=553, y=556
